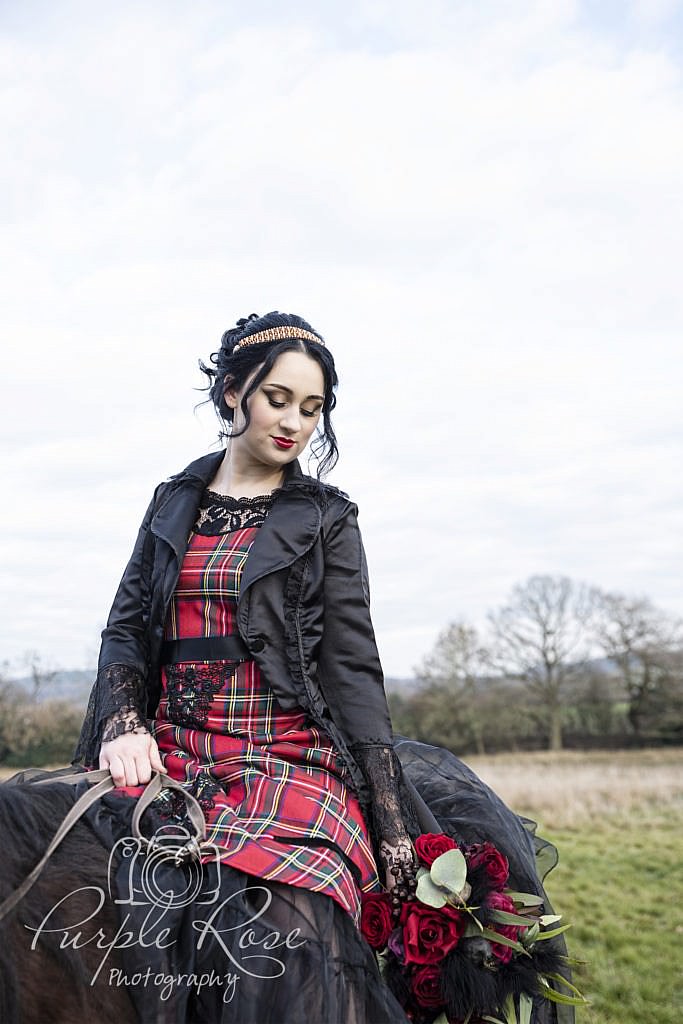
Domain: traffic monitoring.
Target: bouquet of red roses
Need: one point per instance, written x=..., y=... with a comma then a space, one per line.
x=466, y=949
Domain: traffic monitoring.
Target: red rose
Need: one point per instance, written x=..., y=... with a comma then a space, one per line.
x=431, y=845
x=426, y=985
x=375, y=918
x=428, y=933
x=494, y=863
x=499, y=901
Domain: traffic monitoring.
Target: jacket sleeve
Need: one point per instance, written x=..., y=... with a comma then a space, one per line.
x=351, y=673
x=118, y=698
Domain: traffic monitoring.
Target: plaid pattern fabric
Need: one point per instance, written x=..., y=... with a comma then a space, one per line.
x=271, y=784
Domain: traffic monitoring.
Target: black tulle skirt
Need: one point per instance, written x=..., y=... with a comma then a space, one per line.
x=212, y=944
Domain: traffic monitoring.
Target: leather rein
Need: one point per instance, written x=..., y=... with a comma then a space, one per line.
x=102, y=783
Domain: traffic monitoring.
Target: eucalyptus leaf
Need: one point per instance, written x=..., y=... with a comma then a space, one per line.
x=503, y=917
x=493, y=1020
x=450, y=871
x=441, y=1019
x=428, y=893
x=547, y=919
x=553, y=933
x=531, y=935
x=527, y=899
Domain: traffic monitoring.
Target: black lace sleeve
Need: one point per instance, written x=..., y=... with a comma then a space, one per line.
x=394, y=849
x=116, y=706
x=381, y=769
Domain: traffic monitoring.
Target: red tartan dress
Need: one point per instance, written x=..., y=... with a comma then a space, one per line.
x=271, y=784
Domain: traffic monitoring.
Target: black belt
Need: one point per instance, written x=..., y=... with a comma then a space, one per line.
x=204, y=648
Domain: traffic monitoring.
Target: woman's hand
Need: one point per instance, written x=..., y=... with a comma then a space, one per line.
x=131, y=758
x=400, y=863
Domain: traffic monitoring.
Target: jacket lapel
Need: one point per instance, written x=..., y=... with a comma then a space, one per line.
x=177, y=509
x=290, y=529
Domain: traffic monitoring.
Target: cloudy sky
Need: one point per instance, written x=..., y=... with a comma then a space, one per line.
x=478, y=204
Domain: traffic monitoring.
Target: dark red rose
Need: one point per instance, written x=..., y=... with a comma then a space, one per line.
x=494, y=863
x=499, y=901
x=428, y=933
x=375, y=918
x=426, y=985
x=431, y=845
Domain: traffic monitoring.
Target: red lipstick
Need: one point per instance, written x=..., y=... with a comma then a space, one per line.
x=284, y=442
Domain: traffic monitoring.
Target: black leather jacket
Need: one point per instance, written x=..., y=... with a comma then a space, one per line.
x=303, y=612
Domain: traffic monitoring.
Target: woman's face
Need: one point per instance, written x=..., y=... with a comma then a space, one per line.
x=284, y=410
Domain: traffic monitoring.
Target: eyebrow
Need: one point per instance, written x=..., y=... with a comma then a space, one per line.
x=283, y=387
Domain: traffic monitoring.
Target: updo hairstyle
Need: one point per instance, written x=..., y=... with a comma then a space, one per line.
x=234, y=368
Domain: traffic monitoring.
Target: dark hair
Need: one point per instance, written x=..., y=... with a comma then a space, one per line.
x=234, y=369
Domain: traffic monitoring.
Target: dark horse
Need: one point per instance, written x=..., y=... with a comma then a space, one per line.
x=49, y=972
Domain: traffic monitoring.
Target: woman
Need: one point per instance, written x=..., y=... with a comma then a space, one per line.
x=239, y=658
x=239, y=654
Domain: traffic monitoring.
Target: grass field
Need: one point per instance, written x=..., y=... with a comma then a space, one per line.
x=617, y=820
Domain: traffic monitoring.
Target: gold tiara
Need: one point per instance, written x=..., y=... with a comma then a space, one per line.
x=278, y=334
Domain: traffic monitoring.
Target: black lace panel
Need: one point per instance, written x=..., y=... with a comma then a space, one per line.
x=221, y=513
x=190, y=690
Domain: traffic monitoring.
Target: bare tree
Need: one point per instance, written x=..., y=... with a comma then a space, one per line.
x=455, y=667
x=40, y=674
x=644, y=642
x=540, y=637
x=10, y=701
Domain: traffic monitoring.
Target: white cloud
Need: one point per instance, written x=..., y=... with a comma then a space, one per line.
x=478, y=206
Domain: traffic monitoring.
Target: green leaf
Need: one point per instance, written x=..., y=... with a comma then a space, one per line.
x=450, y=871
x=559, y=997
x=510, y=1011
x=553, y=933
x=428, y=893
x=531, y=935
x=526, y=1005
x=493, y=1020
x=502, y=940
x=527, y=899
x=441, y=1019
x=561, y=980
x=503, y=917
x=547, y=919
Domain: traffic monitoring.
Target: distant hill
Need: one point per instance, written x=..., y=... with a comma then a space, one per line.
x=72, y=685
x=404, y=686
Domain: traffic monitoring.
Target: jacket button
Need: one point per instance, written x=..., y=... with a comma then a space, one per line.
x=258, y=644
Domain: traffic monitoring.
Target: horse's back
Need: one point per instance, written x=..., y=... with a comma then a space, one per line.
x=53, y=941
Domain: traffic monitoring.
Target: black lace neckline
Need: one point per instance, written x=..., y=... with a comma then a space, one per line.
x=221, y=513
